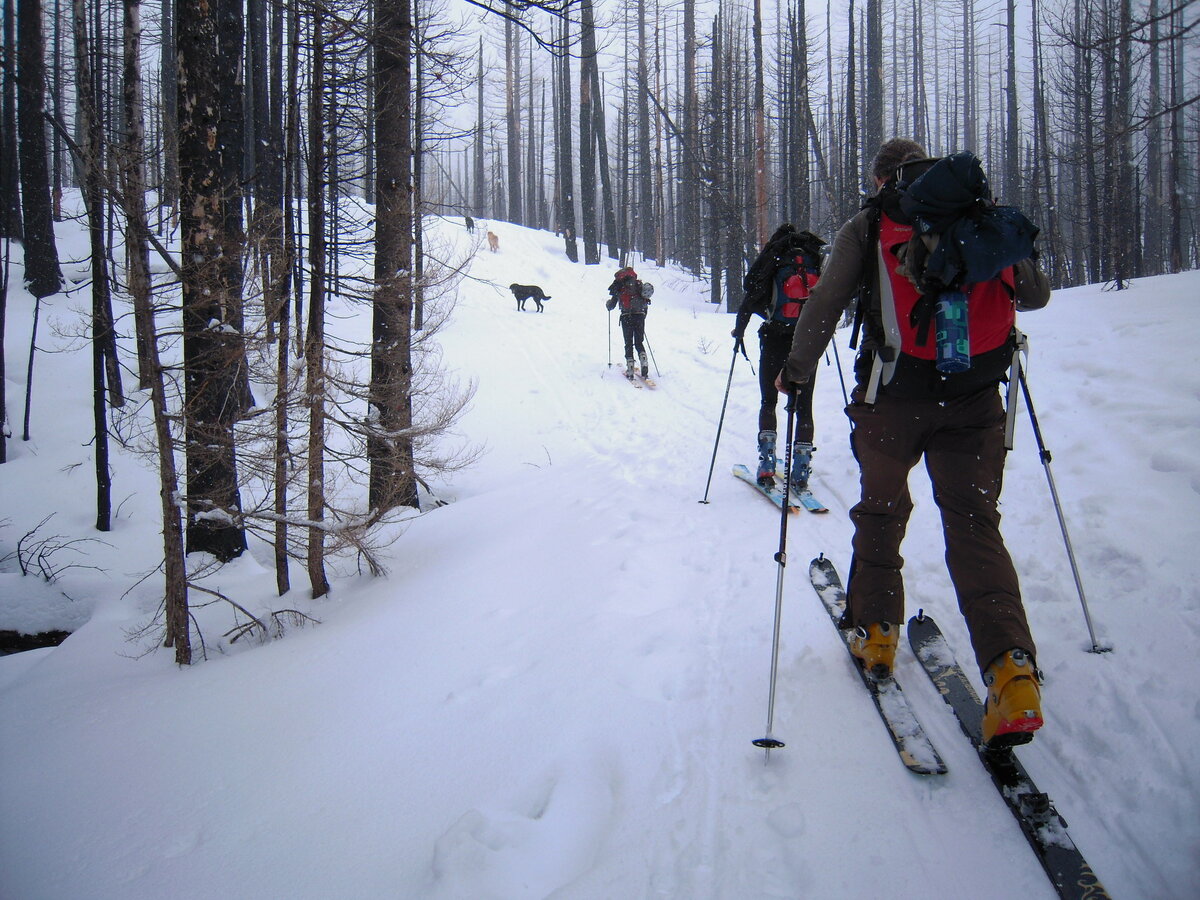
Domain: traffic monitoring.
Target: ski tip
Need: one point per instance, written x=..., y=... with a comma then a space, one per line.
x=925, y=767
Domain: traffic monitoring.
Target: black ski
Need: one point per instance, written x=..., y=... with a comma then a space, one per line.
x=1041, y=823
x=916, y=750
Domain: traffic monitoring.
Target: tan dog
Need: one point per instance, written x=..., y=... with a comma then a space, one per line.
x=493, y=242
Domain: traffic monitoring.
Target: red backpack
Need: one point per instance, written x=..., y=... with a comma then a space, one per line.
x=795, y=280
x=627, y=288
x=992, y=304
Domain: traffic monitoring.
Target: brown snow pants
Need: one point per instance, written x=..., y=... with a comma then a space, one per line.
x=962, y=440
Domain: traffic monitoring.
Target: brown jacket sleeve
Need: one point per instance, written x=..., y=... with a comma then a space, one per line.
x=837, y=286
x=1031, y=286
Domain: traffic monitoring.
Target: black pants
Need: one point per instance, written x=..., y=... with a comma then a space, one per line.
x=774, y=344
x=633, y=326
x=962, y=441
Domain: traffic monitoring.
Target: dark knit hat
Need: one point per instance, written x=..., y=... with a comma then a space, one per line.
x=893, y=154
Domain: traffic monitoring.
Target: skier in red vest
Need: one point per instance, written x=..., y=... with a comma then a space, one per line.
x=905, y=408
x=633, y=297
x=775, y=288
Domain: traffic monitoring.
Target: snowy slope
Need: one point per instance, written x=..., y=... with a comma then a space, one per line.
x=554, y=691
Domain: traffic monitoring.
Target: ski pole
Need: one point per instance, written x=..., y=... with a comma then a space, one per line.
x=842, y=378
x=1020, y=347
x=770, y=742
x=1062, y=522
x=610, y=338
x=721, y=420
x=650, y=350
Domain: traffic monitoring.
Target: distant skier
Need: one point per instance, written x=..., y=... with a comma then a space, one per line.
x=633, y=296
x=776, y=287
x=907, y=405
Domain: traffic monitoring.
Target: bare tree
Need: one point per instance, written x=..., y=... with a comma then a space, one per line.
x=101, y=320
x=1012, y=135
x=392, y=481
x=644, y=226
x=168, y=101
x=4, y=427
x=480, y=183
x=10, y=190
x=969, y=108
x=314, y=345
x=873, y=95
x=133, y=192
x=43, y=276
x=512, y=119
x=1045, y=190
x=689, y=194
x=1155, y=203
x=588, y=138
x=1177, y=158
x=211, y=284
x=760, y=131
x=565, y=159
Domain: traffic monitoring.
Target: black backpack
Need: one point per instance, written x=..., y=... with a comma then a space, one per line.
x=962, y=236
x=788, y=252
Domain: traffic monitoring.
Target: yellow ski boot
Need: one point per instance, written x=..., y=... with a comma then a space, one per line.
x=1013, y=710
x=875, y=646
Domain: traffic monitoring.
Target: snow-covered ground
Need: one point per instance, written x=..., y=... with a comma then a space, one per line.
x=554, y=691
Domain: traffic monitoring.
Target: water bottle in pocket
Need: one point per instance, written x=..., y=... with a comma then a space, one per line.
x=953, y=339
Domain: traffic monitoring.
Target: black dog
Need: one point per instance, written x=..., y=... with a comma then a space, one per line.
x=525, y=292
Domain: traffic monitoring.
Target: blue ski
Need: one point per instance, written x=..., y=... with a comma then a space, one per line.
x=804, y=498
x=772, y=492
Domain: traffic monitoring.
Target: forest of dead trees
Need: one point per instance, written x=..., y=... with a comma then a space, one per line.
x=241, y=165
x=731, y=117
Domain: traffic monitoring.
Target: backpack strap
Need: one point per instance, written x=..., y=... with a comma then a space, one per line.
x=868, y=287
x=883, y=355
x=873, y=382
x=921, y=317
